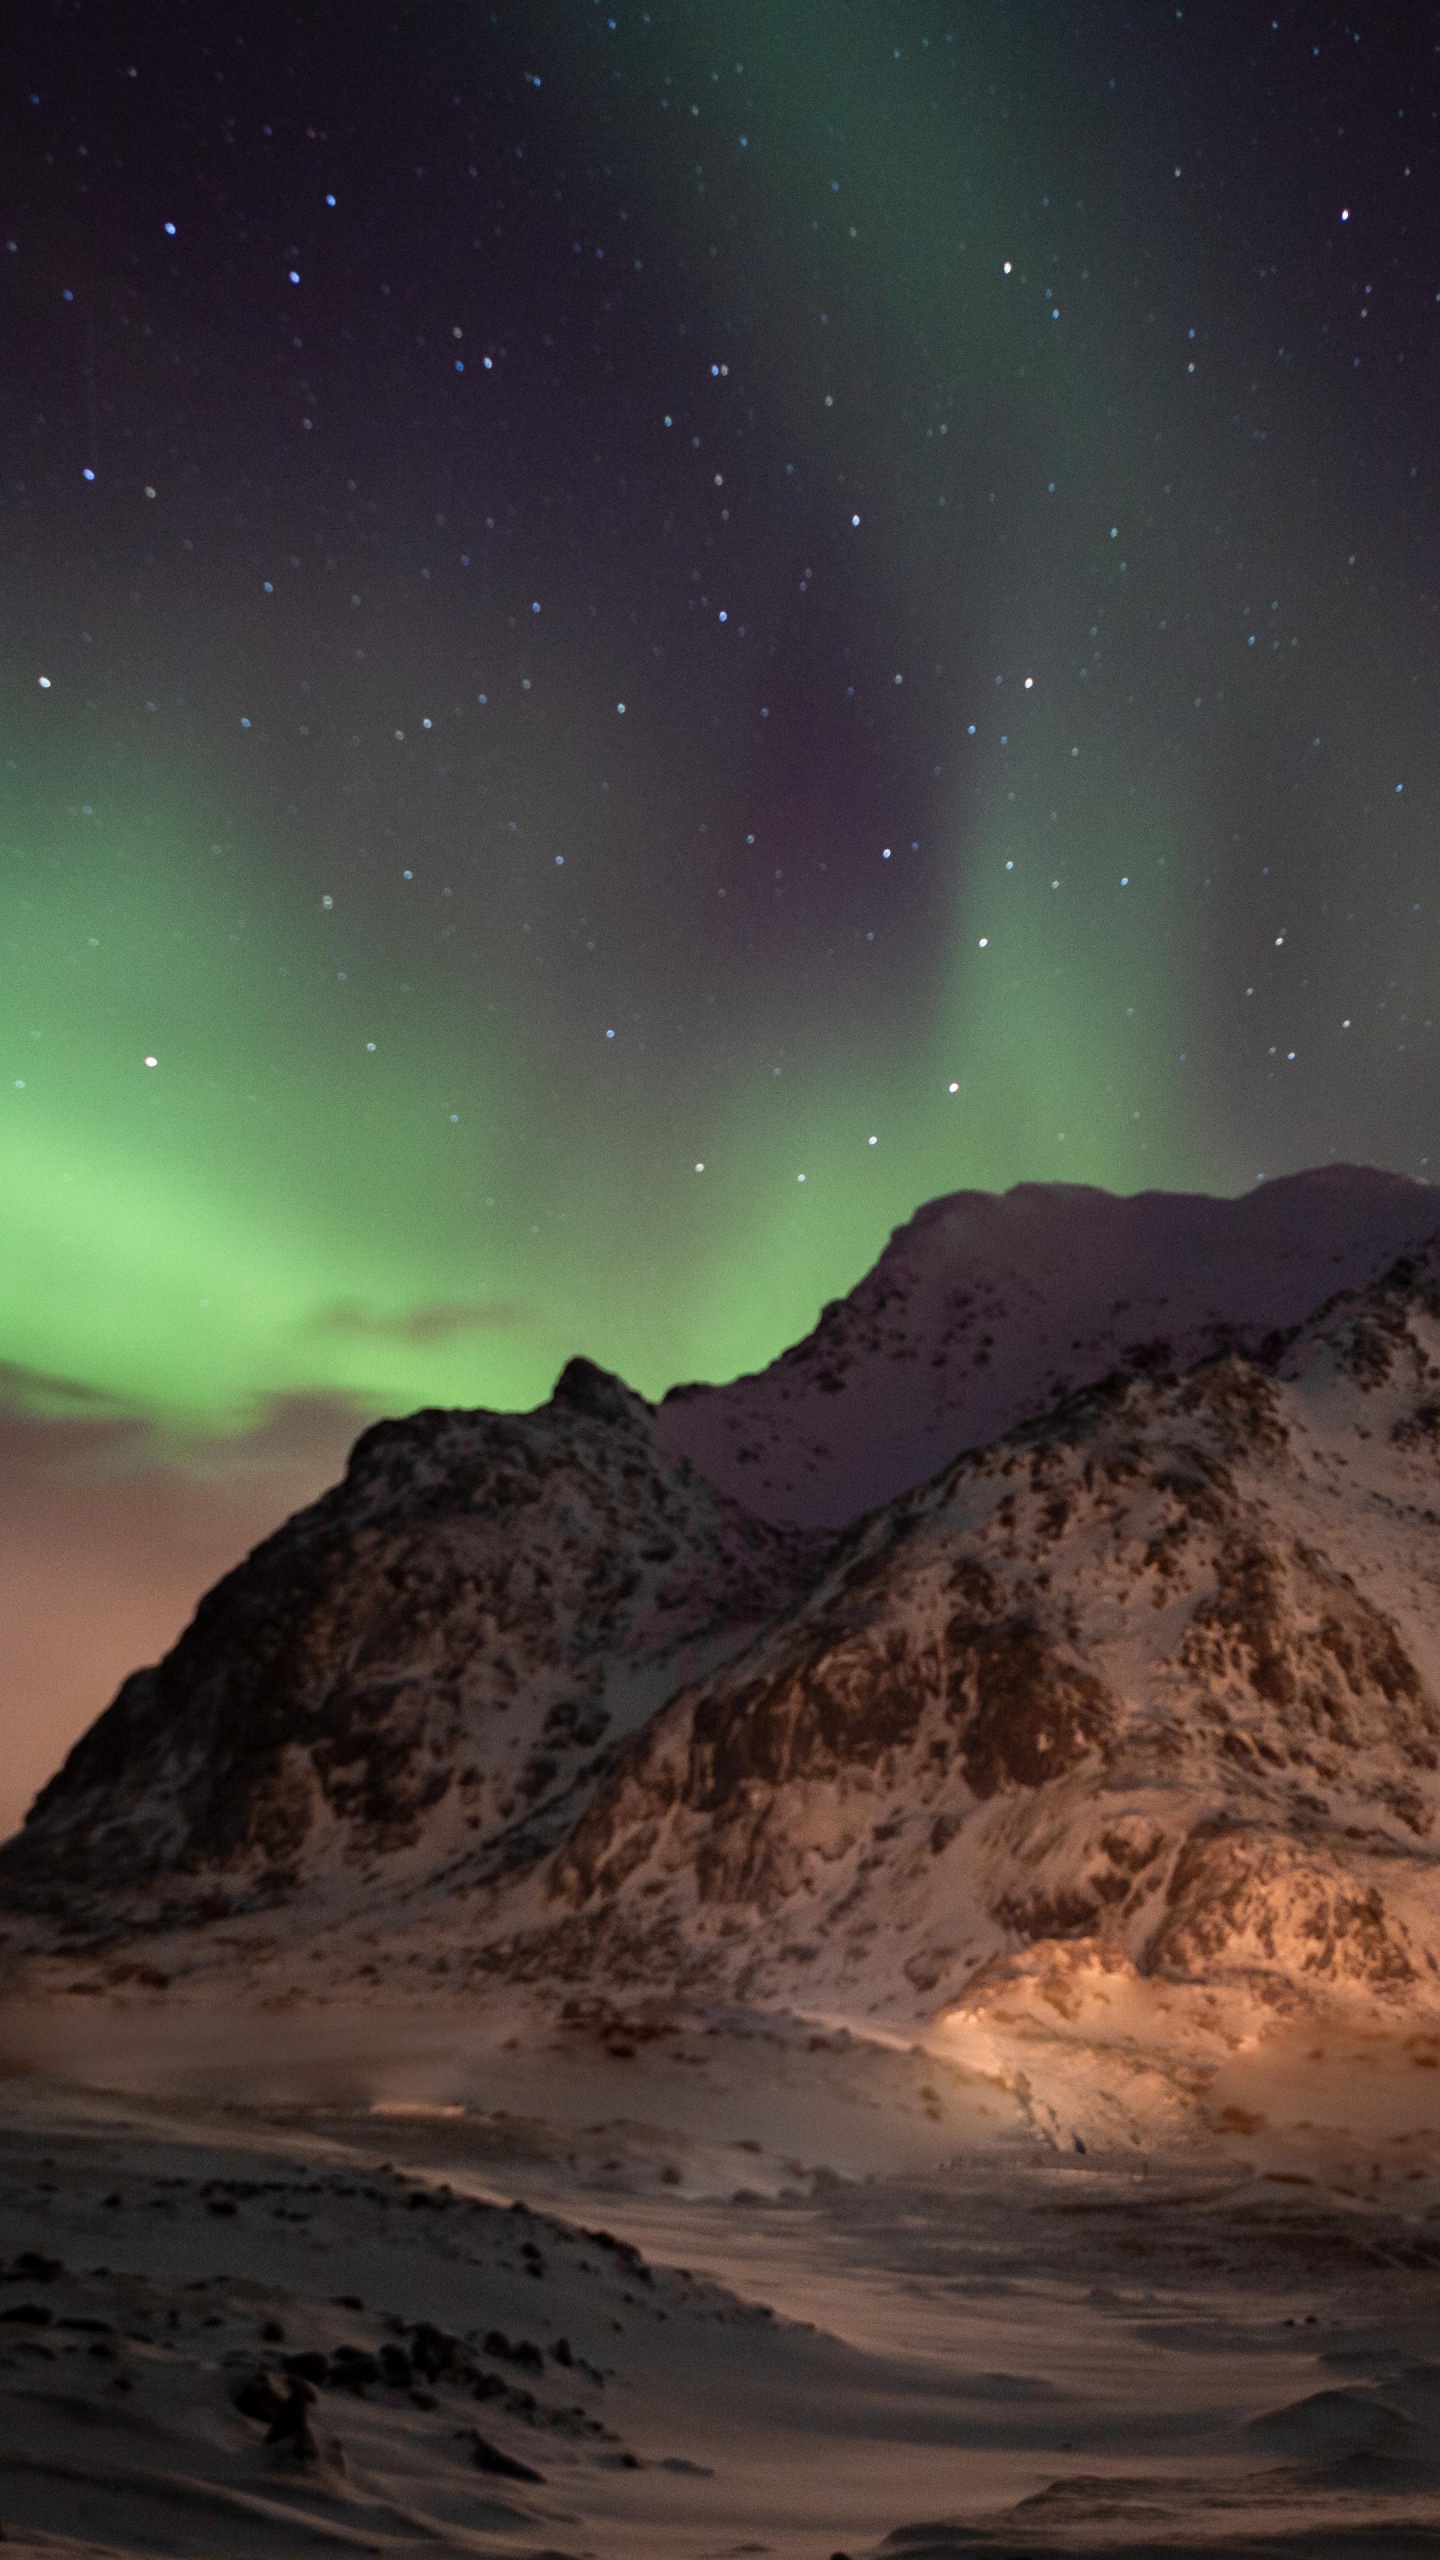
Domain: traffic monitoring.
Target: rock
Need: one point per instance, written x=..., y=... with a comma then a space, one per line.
x=514, y=2350
x=434, y=2352
x=261, y=2394
x=354, y=2369
x=424, y=1661
x=488, y=2457
x=282, y=2404
x=310, y=2365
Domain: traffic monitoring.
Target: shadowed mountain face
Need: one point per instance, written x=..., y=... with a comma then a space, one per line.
x=985, y=1310
x=423, y=1664
x=1155, y=1676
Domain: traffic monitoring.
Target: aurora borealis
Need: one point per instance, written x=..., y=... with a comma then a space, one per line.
x=591, y=592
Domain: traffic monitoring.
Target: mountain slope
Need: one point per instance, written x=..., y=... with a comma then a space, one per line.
x=984, y=1310
x=425, y=1661
x=1158, y=1676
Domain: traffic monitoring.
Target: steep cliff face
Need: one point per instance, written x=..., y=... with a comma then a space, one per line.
x=1161, y=1673
x=984, y=1310
x=421, y=1668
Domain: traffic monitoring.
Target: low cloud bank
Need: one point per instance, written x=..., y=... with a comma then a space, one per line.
x=110, y=1531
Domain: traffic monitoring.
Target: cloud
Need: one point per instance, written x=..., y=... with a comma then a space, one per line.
x=114, y=1523
x=60, y=1429
x=422, y=1326
x=111, y=1528
x=36, y=1392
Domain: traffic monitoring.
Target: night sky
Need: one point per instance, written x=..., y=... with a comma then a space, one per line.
x=632, y=642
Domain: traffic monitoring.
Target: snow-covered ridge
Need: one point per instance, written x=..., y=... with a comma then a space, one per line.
x=985, y=1309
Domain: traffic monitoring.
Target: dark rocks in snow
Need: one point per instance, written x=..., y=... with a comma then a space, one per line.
x=521, y=2351
x=310, y=2365
x=354, y=2369
x=32, y=2266
x=502, y=2466
x=282, y=2404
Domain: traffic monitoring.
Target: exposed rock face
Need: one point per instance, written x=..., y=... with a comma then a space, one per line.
x=419, y=1669
x=1161, y=1672
x=983, y=1311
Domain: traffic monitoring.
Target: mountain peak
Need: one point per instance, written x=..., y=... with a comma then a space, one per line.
x=584, y=1388
x=426, y=1665
x=987, y=1307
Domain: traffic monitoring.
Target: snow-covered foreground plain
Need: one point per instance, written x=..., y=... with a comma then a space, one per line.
x=748, y=2286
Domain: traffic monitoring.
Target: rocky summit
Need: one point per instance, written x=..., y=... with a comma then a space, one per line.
x=426, y=1666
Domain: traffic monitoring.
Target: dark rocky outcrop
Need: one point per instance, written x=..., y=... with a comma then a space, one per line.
x=416, y=1667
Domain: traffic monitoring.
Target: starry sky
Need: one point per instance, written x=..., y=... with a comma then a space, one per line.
x=632, y=639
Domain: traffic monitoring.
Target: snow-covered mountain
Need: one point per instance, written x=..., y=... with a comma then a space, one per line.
x=1157, y=1675
x=427, y=1660
x=1149, y=1683
x=985, y=1309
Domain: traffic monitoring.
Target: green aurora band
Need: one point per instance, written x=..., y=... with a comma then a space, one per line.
x=277, y=1206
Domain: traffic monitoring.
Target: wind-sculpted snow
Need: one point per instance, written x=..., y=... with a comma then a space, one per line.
x=419, y=1668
